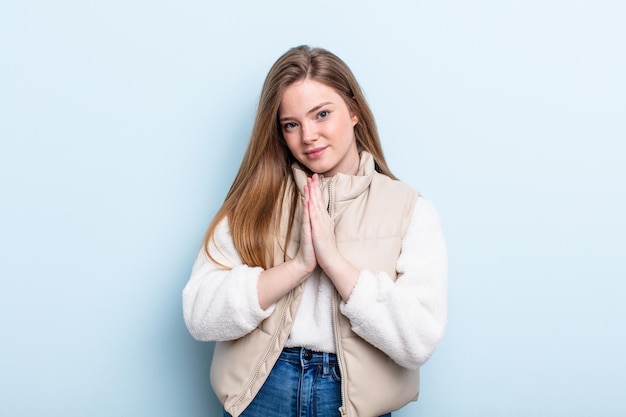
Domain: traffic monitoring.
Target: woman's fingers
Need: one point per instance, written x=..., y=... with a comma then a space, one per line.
x=316, y=196
x=322, y=226
x=306, y=252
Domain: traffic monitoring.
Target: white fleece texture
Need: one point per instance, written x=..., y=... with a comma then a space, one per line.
x=313, y=325
x=406, y=318
x=221, y=304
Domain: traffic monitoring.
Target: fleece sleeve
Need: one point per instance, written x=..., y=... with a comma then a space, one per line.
x=220, y=303
x=406, y=318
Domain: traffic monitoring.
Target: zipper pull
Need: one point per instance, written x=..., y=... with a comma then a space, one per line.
x=329, y=207
x=342, y=411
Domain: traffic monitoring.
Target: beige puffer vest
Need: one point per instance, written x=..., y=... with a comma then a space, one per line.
x=371, y=214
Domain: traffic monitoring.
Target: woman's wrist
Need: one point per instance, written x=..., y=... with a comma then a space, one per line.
x=276, y=282
x=343, y=274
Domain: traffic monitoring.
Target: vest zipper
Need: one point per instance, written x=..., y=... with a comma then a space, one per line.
x=281, y=324
x=330, y=207
x=335, y=313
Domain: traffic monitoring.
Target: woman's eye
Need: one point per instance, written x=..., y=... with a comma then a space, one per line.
x=289, y=125
x=323, y=114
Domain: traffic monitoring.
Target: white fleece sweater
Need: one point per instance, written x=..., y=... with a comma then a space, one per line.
x=405, y=318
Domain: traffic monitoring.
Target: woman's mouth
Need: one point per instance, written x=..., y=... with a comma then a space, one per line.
x=315, y=153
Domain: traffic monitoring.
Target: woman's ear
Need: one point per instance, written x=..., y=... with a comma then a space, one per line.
x=353, y=115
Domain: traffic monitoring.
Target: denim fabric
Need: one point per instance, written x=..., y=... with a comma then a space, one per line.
x=302, y=383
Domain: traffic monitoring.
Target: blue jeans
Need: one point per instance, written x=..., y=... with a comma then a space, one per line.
x=302, y=383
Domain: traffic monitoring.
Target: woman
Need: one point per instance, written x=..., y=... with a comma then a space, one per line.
x=322, y=278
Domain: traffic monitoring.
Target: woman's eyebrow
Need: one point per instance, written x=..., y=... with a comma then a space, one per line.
x=313, y=110
x=319, y=106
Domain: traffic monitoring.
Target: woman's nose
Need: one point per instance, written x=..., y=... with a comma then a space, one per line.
x=309, y=133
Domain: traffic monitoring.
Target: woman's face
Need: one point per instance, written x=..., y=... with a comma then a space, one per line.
x=318, y=128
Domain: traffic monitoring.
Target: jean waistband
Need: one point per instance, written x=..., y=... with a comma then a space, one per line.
x=307, y=356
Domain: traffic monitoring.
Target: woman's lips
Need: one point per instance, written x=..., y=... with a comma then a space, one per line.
x=315, y=153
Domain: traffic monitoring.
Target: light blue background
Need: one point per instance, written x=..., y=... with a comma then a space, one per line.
x=122, y=124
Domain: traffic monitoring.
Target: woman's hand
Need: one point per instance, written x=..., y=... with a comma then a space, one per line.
x=322, y=227
x=277, y=281
x=322, y=231
x=305, y=257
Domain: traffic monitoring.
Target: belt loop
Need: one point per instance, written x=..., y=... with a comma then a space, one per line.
x=326, y=364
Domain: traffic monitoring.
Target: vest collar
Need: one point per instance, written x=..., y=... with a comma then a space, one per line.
x=347, y=187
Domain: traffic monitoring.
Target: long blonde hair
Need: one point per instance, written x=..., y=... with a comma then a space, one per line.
x=259, y=188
